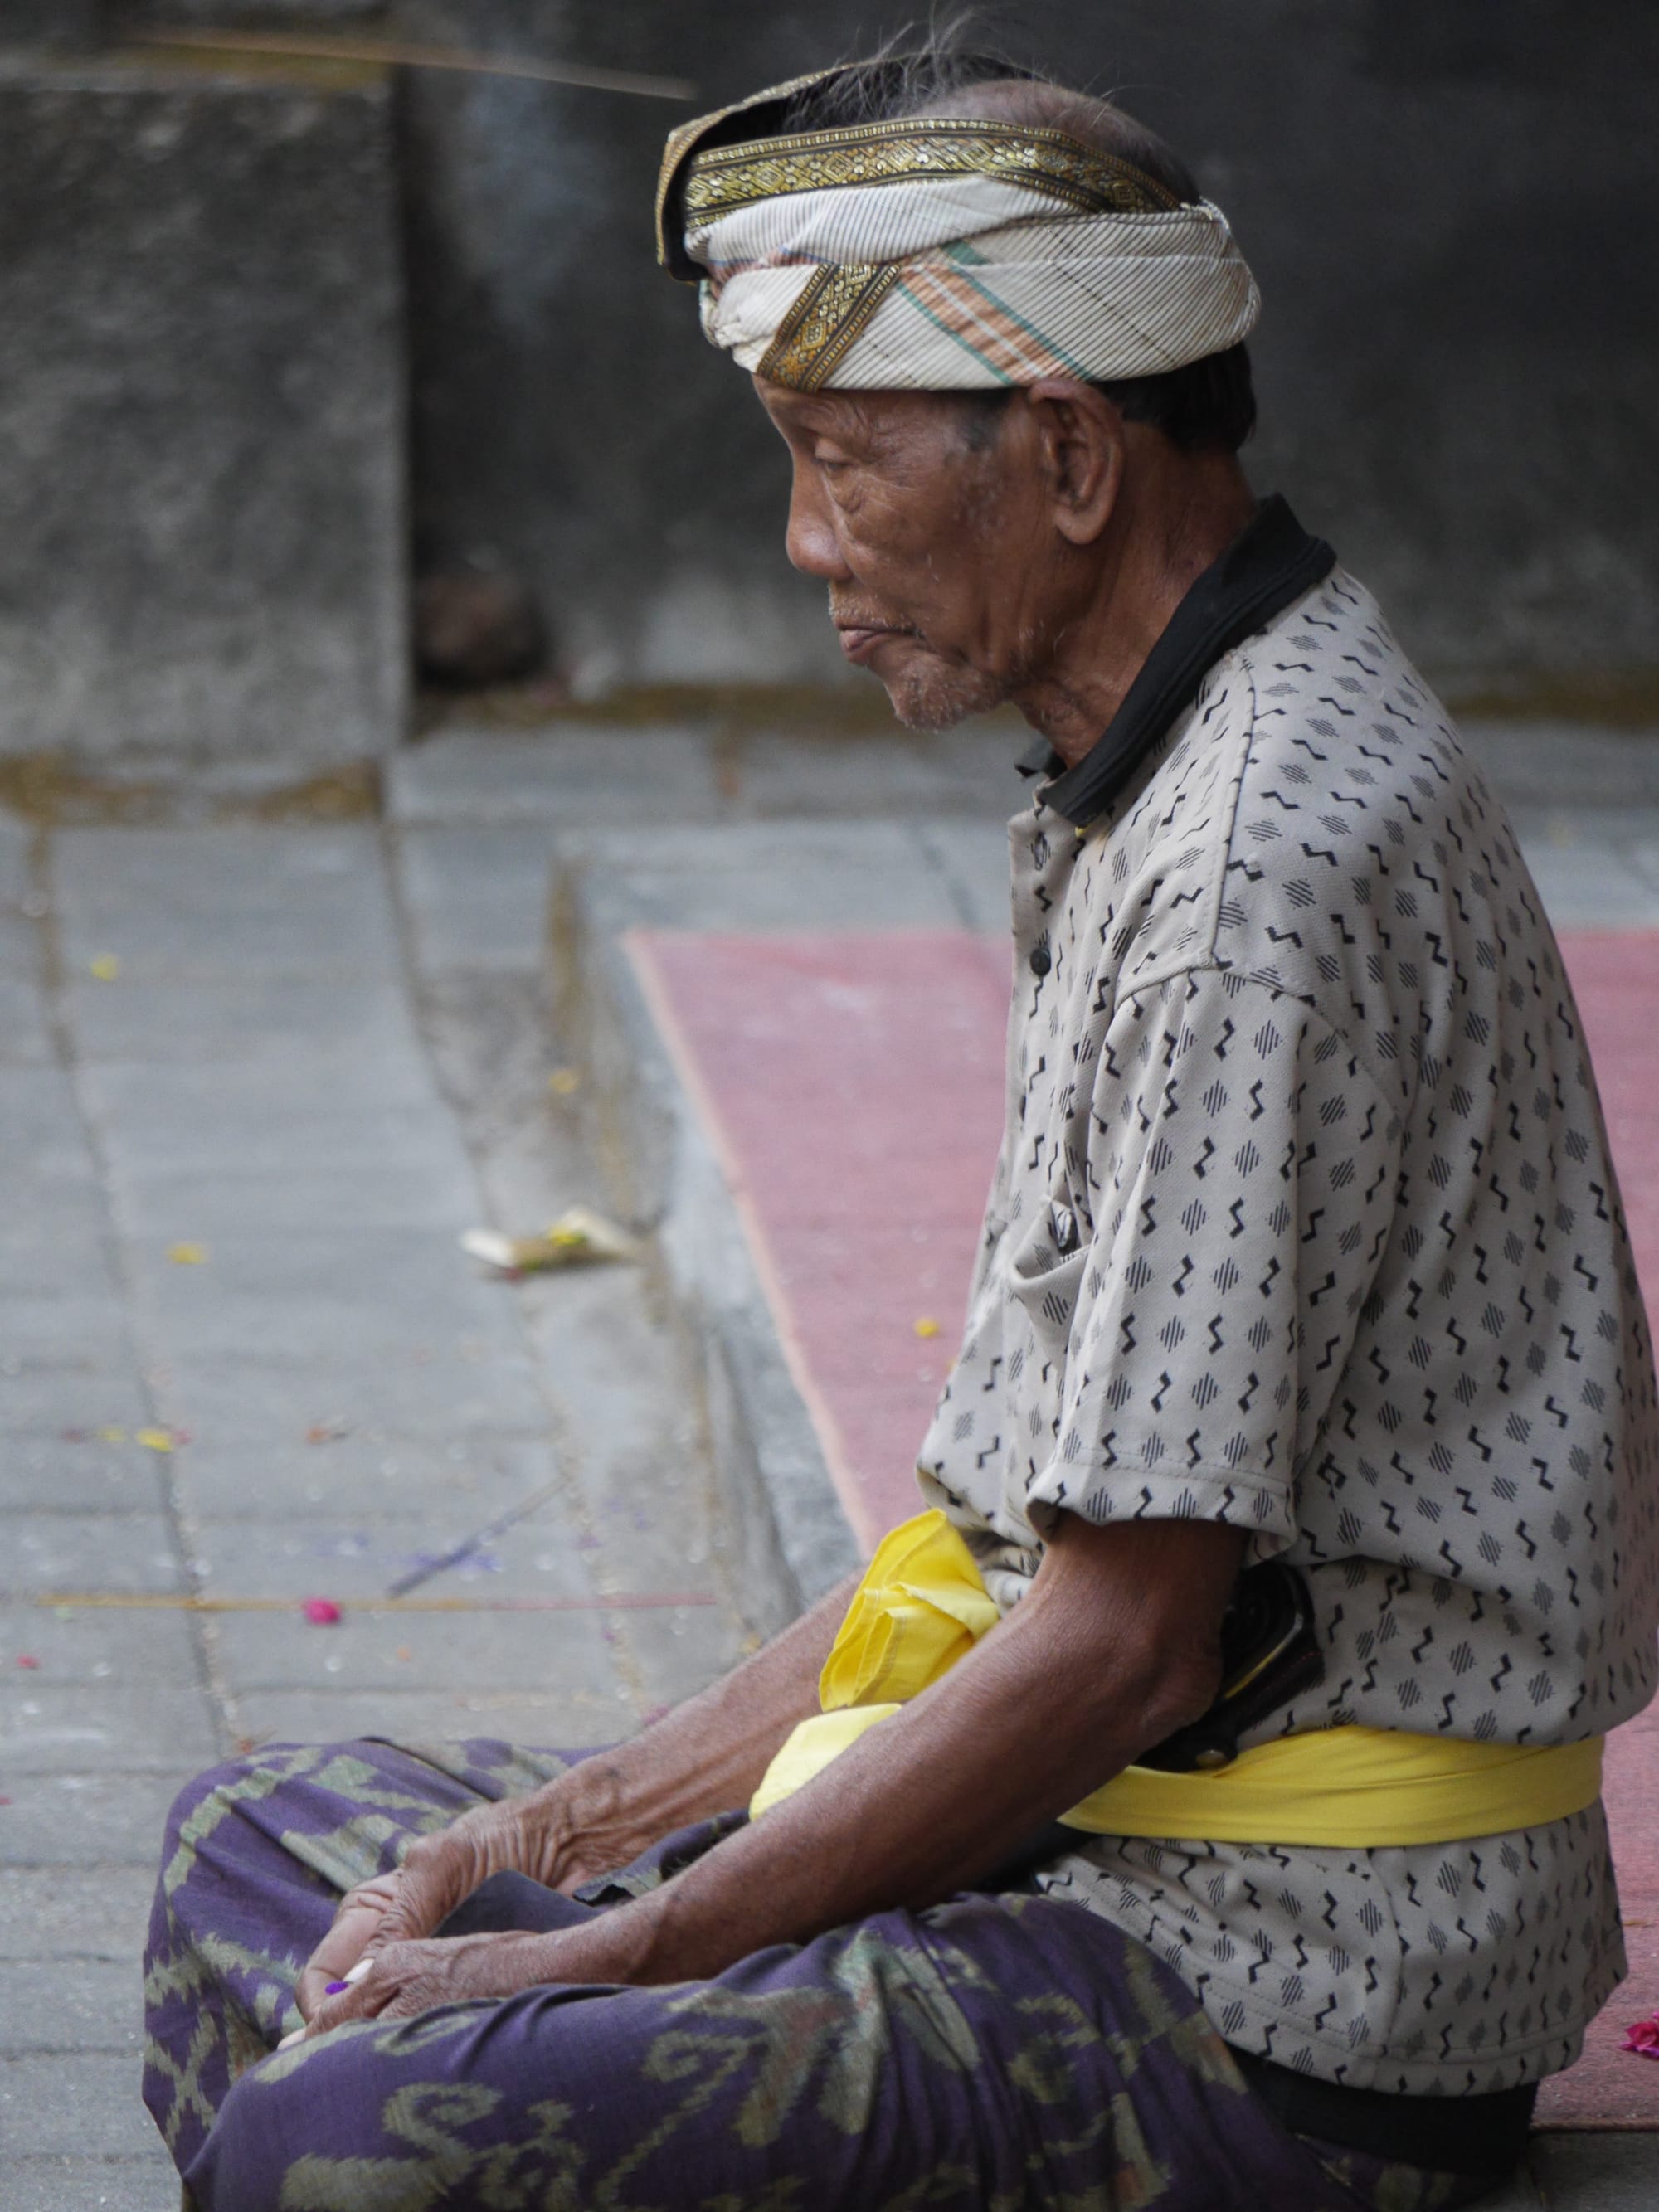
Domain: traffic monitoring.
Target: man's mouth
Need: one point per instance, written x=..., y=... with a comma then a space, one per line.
x=859, y=640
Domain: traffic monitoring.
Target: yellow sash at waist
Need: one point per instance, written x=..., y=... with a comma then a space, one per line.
x=922, y=1605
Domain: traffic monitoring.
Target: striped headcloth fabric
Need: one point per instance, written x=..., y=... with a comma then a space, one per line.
x=937, y=253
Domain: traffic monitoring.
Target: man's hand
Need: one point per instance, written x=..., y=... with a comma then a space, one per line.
x=705, y=1758
x=522, y=1835
x=406, y=1978
x=356, y=1923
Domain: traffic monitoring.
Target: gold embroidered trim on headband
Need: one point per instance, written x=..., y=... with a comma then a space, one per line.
x=728, y=178
x=835, y=307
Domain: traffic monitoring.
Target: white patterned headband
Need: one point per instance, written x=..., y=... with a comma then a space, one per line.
x=945, y=254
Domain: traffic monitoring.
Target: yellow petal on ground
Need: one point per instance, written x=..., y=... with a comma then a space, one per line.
x=111, y=1436
x=925, y=1326
x=105, y=967
x=156, y=1440
x=188, y=1256
x=563, y=1081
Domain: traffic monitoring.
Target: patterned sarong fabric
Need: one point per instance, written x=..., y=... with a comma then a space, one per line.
x=937, y=254
x=1000, y=2049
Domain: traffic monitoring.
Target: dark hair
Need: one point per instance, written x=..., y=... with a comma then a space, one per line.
x=1209, y=404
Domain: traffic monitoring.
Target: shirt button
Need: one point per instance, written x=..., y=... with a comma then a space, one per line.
x=1041, y=961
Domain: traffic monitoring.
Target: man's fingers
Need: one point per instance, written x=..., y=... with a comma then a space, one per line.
x=425, y=1899
x=354, y=1996
x=438, y=1873
x=358, y=1921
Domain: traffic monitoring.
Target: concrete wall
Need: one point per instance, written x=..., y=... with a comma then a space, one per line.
x=201, y=516
x=48, y=23
x=202, y=519
x=1450, y=208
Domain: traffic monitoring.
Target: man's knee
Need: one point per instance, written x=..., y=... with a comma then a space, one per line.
x=248, y=1781
x=244, y=2164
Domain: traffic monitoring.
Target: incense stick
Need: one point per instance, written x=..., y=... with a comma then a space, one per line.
x=118, y=1601
x=393, y=52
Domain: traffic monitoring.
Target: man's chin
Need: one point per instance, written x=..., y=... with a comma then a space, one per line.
x=930, y=695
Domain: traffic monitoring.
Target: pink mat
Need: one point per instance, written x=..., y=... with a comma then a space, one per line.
x=851, y=1085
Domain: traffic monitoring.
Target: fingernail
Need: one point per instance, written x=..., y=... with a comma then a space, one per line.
x=333, y=1989
x=289, y=2041
x=363, y=1966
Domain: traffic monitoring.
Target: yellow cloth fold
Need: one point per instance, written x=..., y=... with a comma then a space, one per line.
x=923, y=1605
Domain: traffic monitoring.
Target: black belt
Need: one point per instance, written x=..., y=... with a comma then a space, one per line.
x=1482, y=2135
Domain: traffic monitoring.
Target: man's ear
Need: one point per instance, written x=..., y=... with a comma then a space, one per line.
x=1082, y=443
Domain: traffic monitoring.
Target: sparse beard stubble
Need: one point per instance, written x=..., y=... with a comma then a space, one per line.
x=936, y=697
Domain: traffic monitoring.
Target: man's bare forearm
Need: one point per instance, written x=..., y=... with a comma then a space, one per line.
x=708, y=1755
x=1116, y=1644
x=1085, y=1673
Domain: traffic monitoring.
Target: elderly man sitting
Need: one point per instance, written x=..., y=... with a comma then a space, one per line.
x=1198, y=1805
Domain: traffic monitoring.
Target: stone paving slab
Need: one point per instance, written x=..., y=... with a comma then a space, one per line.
x=47, y=1396
x=238, y=1399
x=360, y=1265
x=125, y=1727
x=84, y=2185
x=47, y=1474
x=365, y=1474
x=25, y=1039
x=82, y=1912
x=75, y=1646
x=201, y=1321
x=74, y=1819
x=188, y=1204
x=357, y=1561
x=563, y=773
x=476, y=894
x=204, y=1092
x=49, y=2109
x=327, y=1022
x=162, y=1123
x=130, y=1554
x=85, y=1329
x=541, y=1653
x=762, y=876
x=555, y=1718
x=1594, y=2172
x=233, y=902
x=889, y=772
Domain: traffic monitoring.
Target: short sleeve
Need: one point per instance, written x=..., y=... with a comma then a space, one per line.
x=1241, y=1178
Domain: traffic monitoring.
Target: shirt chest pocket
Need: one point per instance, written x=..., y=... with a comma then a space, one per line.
x=1045, y=1272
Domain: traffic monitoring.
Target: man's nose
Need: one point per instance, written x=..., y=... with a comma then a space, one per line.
x=810, y=541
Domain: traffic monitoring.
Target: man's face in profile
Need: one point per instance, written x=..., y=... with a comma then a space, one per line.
x=916, y=512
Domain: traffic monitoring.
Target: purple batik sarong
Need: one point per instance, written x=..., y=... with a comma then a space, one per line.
x=998, y=2051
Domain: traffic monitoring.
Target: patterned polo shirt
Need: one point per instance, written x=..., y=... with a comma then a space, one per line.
x=1304, y=1221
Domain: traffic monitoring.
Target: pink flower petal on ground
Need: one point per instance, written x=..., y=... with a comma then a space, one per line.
x=1642, y=2038
x=322, y=1612
x=26, y=1661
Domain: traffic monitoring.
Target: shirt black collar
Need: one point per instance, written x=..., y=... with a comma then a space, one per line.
x=1271, y=562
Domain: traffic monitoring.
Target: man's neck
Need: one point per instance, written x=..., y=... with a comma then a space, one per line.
x=1178, y=514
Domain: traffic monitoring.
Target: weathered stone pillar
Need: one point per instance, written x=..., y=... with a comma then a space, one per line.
x=202, y=502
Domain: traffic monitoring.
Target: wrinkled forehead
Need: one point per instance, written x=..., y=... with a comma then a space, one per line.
x=871, y=421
